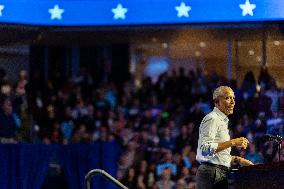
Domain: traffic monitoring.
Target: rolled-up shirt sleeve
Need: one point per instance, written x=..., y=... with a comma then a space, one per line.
x=208, y=132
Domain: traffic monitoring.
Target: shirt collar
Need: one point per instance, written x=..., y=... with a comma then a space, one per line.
x=221, y=114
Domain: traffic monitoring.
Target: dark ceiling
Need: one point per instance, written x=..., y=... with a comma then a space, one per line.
x=19, y=34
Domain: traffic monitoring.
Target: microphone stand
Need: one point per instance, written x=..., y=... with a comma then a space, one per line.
x=279, y=150
x=278, y=141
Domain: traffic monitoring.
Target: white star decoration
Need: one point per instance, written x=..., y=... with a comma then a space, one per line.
x=119, y=12
x=1, y=9
x=183, y=10
x=56, y=12
x=247, y=8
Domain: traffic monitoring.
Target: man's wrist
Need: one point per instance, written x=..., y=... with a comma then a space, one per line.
x=233, y=143
x=236, y=159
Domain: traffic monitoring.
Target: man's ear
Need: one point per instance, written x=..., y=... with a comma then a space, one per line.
x=216, y=101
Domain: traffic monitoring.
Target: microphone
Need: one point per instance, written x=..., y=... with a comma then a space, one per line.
x=272, y=137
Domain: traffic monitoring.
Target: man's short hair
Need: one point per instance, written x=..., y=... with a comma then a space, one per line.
x=219, y=91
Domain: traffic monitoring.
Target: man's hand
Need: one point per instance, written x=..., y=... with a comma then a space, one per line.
x=240, y=142
x=242, y=161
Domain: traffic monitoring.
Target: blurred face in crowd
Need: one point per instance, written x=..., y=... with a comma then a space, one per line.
x=166, y=175
x=131, y=172
x=6, y=89
x=153, y=129
x=20, y=89
x=185, y=171
x=50, y=111
x=167, y=132
x=168, y=156
x=143, y=166
x=183, y=130
x=22, y=74
x=7, y=107
x=252, y=148
x=226, y=101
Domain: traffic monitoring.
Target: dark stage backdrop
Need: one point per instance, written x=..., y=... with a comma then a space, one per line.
x=25, y=166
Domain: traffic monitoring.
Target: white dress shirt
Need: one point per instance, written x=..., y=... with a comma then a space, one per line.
x=213, y=130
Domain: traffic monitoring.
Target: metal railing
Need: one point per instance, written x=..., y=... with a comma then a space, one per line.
x=94, y=172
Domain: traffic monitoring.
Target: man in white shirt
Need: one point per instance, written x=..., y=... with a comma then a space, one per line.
x=214, y=143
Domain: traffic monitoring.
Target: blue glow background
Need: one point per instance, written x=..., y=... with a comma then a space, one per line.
x=140, y=12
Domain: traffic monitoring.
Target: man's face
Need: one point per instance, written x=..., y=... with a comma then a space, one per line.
x=226, y=102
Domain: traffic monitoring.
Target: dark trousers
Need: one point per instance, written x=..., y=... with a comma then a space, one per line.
x=211, y=177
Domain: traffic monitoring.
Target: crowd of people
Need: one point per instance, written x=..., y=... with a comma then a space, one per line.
x=156, y=123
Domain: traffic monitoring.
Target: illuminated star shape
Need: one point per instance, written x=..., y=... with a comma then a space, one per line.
x=119, y=12
x=56, y=12
x=247, y=8
x=1, y=9
x=182, y=10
